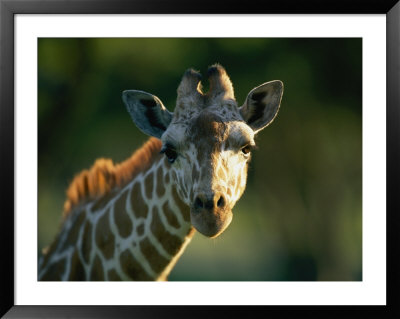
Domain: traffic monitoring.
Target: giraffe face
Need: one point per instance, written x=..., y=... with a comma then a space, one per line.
x=210, y=156
x=207, y=141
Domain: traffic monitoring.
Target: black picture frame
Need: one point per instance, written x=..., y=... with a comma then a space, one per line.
x=8, y=10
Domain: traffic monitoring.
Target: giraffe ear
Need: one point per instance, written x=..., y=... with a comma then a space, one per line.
x=147, y=112
x=262, y=105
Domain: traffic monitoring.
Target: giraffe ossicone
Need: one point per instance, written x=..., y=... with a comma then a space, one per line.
x=132, y=221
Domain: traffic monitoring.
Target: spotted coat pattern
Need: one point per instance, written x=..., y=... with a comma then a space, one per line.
x=132, y=221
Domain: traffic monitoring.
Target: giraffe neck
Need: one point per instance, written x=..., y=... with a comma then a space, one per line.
x=134, y=232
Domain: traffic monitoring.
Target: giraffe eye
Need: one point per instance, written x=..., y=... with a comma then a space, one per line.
x=170, y=153
x=246, y=150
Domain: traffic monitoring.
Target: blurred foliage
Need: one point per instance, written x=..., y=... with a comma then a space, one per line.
x=300, y=217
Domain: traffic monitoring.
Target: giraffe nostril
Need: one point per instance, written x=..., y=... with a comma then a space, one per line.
x=221, y=202
x=209, y=202
x=198, y=203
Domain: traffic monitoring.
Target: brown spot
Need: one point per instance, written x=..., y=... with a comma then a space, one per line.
x=55, y=271
x=97, y=272
x=132, y=268
x=122, y=220
x=138, y=204
x=105, y=239
x=77, y=272
x=169, y=214
x=87, y=242
x=160, y=189
x=183, y=208
x=171, y=243
x=140, y=230
x=148, y=185
x=221, y=174
x=73, y=233
x=156, y=261
x=113, y=276
x=102, y=202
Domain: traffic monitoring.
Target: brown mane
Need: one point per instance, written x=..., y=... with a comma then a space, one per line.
x=104, y=175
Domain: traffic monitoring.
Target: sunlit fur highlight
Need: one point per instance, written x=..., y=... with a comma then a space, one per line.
x=104, y=175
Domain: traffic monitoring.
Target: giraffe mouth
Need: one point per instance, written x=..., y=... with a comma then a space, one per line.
x=210, y=222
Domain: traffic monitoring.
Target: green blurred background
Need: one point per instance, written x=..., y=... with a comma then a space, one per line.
x=300, y=217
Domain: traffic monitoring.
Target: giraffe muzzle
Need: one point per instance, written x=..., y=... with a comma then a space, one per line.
x=210, y=214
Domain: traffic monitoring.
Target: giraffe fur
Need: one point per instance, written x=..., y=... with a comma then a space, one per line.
x=133, y=220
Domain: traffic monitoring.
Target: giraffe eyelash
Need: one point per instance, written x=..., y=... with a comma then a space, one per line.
x=166, y=147
x=169, y=152
x=246, y=149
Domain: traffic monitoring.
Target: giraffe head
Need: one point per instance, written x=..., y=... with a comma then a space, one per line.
x=207, y=140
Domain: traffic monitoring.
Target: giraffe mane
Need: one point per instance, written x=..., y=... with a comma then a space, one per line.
x=104, y=175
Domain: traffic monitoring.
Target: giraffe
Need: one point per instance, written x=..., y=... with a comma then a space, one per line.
x=133, y=220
